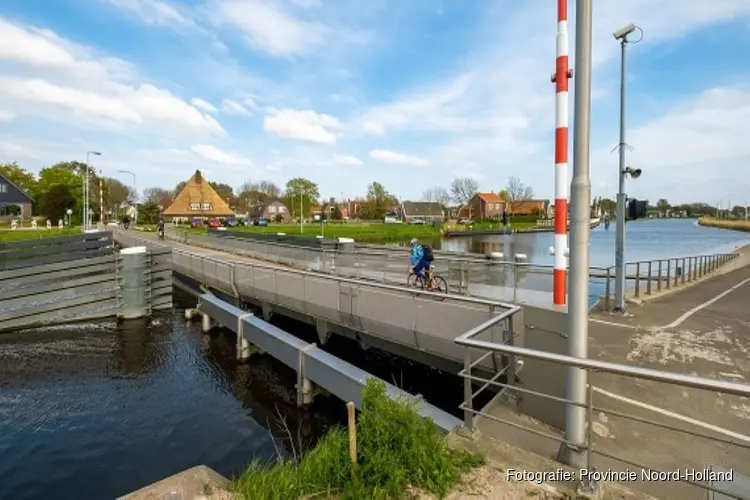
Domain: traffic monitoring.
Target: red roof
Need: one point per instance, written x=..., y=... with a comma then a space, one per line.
x=490, y=197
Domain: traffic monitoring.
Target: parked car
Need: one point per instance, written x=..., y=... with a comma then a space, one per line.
x=214, y=223
x=392, y=220
x=417, y=220
x=233, y=222
x=196, y=222
x=260, y=222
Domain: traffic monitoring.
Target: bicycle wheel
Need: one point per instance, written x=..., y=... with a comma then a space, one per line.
x=439, y=285
x=414, y=281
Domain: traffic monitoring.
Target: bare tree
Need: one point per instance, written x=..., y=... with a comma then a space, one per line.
x=517, y=193
x=441, y=196
x=463, y=189
x=428, y=195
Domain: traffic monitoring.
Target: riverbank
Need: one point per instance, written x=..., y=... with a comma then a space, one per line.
x=734, y=225
x=25, y=234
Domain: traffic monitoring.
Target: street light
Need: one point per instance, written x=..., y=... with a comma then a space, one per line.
x=135, y=193
x=86, y=224
x=622, y=36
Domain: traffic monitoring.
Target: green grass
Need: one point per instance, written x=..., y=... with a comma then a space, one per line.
x=6, y=235
x=396, y=449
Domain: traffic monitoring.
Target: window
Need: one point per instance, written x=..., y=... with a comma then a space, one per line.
x=195, y=206
x=282, y=210
x=206, y=206
x=3, y=187
x=271, y=209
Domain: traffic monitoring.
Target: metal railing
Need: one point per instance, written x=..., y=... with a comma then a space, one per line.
x=510, y=352
x=466, y=273
x=654, y=276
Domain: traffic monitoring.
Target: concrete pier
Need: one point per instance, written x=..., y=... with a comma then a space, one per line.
x=133, y=283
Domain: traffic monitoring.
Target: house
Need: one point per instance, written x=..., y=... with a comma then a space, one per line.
x=541, y=208
x=197, y=199
x=425, y=210
x=482, y=206
x=330, y=207
x=13, y=196
x=271, y=210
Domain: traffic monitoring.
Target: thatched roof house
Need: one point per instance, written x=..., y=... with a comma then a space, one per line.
x=197, y=199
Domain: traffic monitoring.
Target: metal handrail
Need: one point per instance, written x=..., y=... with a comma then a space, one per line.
x=469, y=342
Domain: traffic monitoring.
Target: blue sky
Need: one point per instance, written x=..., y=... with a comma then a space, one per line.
x=345, y=92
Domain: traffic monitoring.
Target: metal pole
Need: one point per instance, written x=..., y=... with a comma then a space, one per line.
x=560, y=79
x=575, y=416
x=86, y=195
x=621, y=197
x=301, y=215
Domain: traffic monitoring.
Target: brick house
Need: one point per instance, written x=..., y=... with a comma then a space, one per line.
x=12, y=195
x=531, y=207
x=425, y=210
x=271, y=210
x=482, y=206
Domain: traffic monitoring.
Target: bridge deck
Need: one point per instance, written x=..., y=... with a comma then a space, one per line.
x=703, y=331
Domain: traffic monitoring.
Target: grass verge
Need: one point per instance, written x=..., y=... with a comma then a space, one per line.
x=736, y=225
x=30, y=234
x=397, y=449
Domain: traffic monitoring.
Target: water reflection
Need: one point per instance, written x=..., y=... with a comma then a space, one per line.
x=97, y=410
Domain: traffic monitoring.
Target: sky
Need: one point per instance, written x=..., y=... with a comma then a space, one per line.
x=411, y=94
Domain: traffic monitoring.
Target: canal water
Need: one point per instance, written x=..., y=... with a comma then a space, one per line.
x=98, y=410
x=644, y=240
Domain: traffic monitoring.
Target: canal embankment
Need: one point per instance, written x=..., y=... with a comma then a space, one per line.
x=734, y=225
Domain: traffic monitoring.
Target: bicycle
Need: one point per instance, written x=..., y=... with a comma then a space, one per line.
x=431, y=283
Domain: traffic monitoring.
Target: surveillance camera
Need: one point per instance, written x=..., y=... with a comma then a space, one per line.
x=623, y=32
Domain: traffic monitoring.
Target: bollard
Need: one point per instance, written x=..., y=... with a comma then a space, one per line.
x=134, y=285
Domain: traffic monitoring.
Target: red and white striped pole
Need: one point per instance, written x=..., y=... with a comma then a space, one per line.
x=560, y=79
x=101, y=199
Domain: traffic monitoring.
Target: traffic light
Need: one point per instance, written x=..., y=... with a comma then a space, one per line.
x=637, y=209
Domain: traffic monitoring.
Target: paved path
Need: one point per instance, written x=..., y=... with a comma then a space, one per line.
x=703, y=330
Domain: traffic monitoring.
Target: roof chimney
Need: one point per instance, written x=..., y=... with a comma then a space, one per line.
x=198, y=177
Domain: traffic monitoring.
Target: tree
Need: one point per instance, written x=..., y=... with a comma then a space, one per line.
x=225, y=191
x=663, y=206
x=20, y=177
x=378, y=202
x=438, y=195
x=503, y=194
x=518, y=193
x=336, y=214
x=56, y=201
x=608, y=206
x=57, y=175
x=157, y=196
x=463, y=189
x=301, y=190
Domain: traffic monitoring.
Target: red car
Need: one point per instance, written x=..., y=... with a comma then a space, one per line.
x=214, y=223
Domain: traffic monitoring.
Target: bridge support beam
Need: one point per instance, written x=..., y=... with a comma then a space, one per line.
x=324, y=333
x=244, y=349
x=305, y=394
x=267, y=311
x=206, y=323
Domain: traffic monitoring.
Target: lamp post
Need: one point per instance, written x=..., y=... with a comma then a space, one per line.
x=622, y=35
x=135, y=194
x=574, y=454
x=86, y=224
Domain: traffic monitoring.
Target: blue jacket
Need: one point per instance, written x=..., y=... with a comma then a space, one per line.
x=416, y=254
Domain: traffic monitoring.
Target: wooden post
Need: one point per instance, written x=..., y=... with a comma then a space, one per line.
x=352, y=435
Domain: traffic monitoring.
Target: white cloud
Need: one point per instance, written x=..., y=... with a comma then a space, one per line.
x=216, y=155
x=393, y=158
x=269, y=29
x=11, y=151
x=250, y=103
x=6, y=116
x=153, y=12
x=204, y=105
x=88, y=87
x=347, y=160
x=233, y=107
x=305, y=125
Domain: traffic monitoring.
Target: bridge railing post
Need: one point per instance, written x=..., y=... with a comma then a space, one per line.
x=658, y=277
x=468, y=392
x=683, y=270
x=676, y=272
x=669, y=274
x=606, y=288
x=637, y=279
x=648, y=283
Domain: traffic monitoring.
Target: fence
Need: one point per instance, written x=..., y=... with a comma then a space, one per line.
x=471, y=343
x=466, y=273
x=654, y=276
x=57, y=280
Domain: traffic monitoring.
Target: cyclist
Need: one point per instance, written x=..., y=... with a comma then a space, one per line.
x=160, y=228
x=421, y=258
